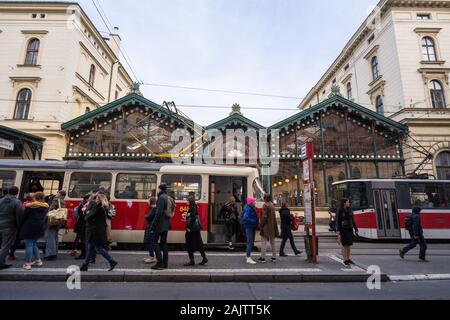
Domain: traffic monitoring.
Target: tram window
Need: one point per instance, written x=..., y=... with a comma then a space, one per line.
x=183, y=186
x=428, y=195
x=340, y=191
x=83, y=183
x=135, y=186
x=358, y=196
x=7, y=179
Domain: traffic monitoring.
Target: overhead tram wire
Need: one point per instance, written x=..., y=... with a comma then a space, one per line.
x=122, y=50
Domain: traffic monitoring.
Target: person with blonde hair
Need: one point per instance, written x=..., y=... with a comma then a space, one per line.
x=96, y=236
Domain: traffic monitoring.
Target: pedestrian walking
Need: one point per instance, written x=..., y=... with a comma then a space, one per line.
x=250, y=222
x=230, y=214
x=414, y=226
x=165, y=209
x=286, y=230
x=51, y=233
x=79, y=229
x=149, y=231
x=194, y=240
x=10, y=218
x=345, y=225
x=96, y=237
x=33, y=228
x=111, y=214
x=269, y=229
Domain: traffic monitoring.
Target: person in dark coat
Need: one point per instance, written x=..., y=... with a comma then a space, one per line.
x=230, y=214
x=149, y=231
x=417, y=237
x=10, y=216
x=33, y=228
x=194, y=240
x=96, y=237
x=161, y=226
x=286, y=231
x=345, y=225
x=79, y=229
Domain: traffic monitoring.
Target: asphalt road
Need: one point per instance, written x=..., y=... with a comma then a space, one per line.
x=426, y=290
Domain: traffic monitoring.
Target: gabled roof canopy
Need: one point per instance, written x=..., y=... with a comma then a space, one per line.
x=131, y=99
x=344, y=104
x=23, y=136
x=233, y=120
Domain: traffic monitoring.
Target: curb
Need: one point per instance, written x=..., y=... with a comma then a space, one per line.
x=198, y=277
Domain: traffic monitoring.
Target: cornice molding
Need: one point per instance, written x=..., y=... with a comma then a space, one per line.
x=34, y=31
x=372, y=52
x=91, y=88
x=85, y=48
x=427, y=30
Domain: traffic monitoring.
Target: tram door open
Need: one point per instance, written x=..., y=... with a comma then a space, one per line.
x=387, y=213
x=48, y=182
x=221, y=190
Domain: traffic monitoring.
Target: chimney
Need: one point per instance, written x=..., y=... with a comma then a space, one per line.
x=115, y=41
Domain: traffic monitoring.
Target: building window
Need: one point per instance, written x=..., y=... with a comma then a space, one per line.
x=117, y=94
x=87, y=110
x=423, y=16
x=443, y=166
x=32, y=52
x=349, y=91
x=372, y=37
x=375, y=69
x=23, y=103
x=437, y=95
x=92, y=75
x=429, y=49
x=379, y=105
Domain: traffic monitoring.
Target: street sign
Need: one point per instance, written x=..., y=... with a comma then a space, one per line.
x=6, y=144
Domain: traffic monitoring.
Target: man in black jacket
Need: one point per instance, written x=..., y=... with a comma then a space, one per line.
x=417, y=238
x=10, y=215
x=161, y=227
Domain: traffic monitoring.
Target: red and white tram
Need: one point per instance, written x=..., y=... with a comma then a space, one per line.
x=131, y=184
x=382, y=206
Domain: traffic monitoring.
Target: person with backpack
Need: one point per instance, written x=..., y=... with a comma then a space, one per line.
x=149, y=231
x=269, y=229
x=286, y=230
x=345, y=225
x=165, y=210
x=194, y=240
x=51, y=234
x=250, y=221
x=413, y=224
x=230, y=214
x=10, y=218
x=32, y=228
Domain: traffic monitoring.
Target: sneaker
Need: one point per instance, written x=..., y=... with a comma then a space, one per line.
x=190, y=264
x=84, y=268
x=157, y=266
x=231, y=248
x=283, y=255
x=347, y=263
x=274, y=260
x=402, y=254
x=298, y=253
x=150, y=260
x=204, y=262
x=250, y=261
x=351, y=262
x=424, y=260
x=261, y=260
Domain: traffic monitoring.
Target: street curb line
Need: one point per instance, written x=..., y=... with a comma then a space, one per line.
x=419, y=277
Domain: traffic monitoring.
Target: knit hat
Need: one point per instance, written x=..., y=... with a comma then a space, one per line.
x=163, y=187
x=251, y=200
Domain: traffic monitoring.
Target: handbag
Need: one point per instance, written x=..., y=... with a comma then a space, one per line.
x=57, y=217
x=295, y=224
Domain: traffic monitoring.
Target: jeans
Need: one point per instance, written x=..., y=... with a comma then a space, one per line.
x=51, y=242
x=31, y=250
x=283, y=244
x=250, y=233
x=9, y=238
x=230, y=231
x=414, y=242
x=161, y=246
x=264, y=247
x=90, y=251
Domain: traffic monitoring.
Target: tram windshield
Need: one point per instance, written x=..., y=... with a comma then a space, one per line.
x=355, y=191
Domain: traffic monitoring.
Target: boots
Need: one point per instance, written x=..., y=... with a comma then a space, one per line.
x=190, y=264
x=204, y=262
x=112, y=265
x=158, y=266
x=84, y=268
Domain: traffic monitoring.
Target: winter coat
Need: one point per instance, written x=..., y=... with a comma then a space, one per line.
x=96, y=226
x=417, y=229
x=286, y=222
x=345, y=220
x=81, y=223
x=161, y=223
x=10, y=213
x=250, y=218
x=33, y=221
x=269, y=226
x=149, y=229
x=229, y=213
x=192, y=218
